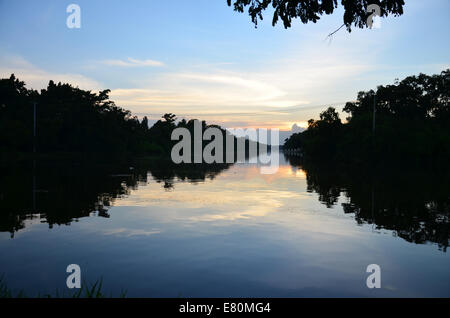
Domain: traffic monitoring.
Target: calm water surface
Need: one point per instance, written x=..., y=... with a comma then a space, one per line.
x=226, y=231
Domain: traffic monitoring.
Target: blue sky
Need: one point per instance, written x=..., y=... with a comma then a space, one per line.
x=199, y=59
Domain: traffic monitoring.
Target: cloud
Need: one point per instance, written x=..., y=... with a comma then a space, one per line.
x=37, y=78
x=130, y=62
x=204, y=91
x=297, y=129
x=131, y=232
x=277, y=95
x=284, y=90
x=280, y=93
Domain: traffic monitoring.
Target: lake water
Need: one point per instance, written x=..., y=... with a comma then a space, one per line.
x=225, y=231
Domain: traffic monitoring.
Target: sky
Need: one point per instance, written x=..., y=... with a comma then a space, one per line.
x=200, y=59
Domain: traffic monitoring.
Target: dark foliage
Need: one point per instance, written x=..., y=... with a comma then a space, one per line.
x=412, y=126
x=68, y=120
x=72, y=120
x=414, y=204
x=311, y=10
x=61, y=192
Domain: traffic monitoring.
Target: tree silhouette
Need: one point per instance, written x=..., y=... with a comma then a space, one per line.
x=355, y=11
x=170, y=118
x=412, y=126
x=330, y=116
x=73, y=121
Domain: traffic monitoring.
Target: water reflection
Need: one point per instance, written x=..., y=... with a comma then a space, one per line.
x=59, y=193
x=162, y=230
x=416, y=206
x=413, y=204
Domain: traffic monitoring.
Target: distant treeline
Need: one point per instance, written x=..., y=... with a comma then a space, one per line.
x=412, y=125
x=72, y=120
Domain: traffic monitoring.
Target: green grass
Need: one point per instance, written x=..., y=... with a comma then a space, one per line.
x=86, y=291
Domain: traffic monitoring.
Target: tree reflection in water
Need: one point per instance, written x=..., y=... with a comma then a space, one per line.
x=60, y=193
x=414, y=204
